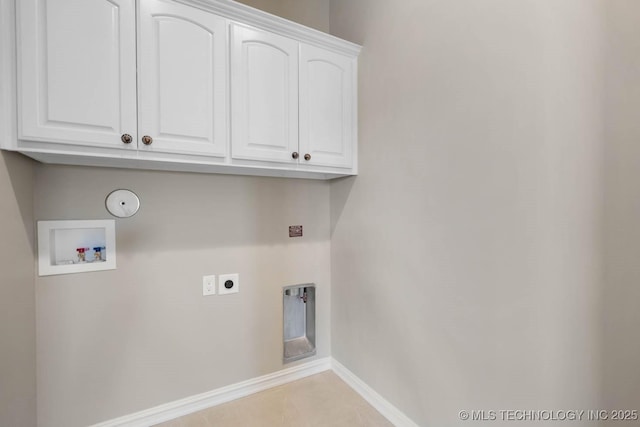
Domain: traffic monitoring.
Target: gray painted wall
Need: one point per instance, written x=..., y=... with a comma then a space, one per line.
x=474, y=264
x=17, y=303
x=621, y=296
x=312, y=13
x=116, y=342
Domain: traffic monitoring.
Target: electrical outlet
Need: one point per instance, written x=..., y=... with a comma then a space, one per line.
x=229, y=284
x=208, y=285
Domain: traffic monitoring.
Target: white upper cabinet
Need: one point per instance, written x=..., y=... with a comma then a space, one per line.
x=182, y=80
x=76, y=71
x=264, y=95
x=186, y=85
x=327, y=97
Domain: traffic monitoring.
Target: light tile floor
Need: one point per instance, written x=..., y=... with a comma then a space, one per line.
x=321, y=400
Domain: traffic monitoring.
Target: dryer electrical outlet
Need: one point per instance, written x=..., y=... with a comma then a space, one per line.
x=228, y=284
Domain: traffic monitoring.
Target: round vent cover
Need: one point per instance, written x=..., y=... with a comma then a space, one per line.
x=122, y=203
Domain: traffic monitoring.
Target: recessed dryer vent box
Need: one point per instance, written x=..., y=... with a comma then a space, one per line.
x=66, y=247
x=299, y=322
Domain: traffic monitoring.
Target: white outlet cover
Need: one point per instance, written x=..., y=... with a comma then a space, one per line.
x=222, y=279
x=208, y=285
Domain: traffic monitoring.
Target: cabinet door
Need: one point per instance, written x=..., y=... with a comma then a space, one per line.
x=327, y=97
x=264, y=95
x=182, y=101
x=77, y=71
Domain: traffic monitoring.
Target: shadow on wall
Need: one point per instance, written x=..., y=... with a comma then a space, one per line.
x=186, y=210
x=621, y=294
x=20, y=171
x=17, y=302
x=340, y=191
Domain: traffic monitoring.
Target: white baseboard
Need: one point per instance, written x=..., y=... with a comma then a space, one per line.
x=390, y=412
x=189, y=405
x=206, y=400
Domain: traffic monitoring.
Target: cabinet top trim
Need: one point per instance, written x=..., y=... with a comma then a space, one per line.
x=266, y=21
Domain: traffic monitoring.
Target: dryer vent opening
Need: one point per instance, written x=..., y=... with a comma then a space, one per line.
x=299, y=305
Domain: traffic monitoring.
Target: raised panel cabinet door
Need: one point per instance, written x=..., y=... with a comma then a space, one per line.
x=264, y=95
x=77, y=72
x=327, y=115
x=182, y=100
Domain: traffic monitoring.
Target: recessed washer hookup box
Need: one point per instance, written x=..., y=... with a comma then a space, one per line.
x=66, y=247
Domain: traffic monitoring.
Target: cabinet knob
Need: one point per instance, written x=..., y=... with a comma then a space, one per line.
x=294, y=155
x=126, y=138
x=307, y=157
x=147, y=140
